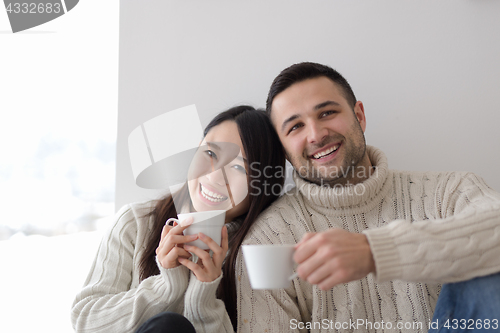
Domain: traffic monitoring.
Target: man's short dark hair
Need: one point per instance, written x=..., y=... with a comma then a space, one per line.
x=303, y=71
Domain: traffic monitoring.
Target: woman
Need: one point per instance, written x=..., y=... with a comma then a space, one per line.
x=141, y=269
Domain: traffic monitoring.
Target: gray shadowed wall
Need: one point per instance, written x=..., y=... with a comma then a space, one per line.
x=427, y=71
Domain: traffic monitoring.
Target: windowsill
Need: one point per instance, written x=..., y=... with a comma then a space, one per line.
x=40, y=278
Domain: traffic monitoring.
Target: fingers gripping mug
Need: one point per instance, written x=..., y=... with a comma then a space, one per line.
x=210, y=223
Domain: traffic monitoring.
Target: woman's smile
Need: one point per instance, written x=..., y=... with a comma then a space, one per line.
x=210, y=195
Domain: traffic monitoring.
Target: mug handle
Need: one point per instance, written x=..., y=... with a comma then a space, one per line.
x=170, y=220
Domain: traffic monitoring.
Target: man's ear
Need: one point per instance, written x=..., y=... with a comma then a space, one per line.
x=359, y=112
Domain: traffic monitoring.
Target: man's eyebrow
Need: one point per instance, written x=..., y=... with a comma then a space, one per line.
x=327, y=103
x=289, y=119
x=317, y=107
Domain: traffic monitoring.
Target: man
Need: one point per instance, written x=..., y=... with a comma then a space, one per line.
x=374, y=244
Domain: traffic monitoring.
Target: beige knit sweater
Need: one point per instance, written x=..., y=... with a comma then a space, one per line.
x=424, y=229
x=114, y=300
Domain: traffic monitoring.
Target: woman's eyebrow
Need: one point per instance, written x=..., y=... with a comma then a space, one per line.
x=213, y=144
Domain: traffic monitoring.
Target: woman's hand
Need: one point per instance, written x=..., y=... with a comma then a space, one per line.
x=207, y=269
x=171, y=246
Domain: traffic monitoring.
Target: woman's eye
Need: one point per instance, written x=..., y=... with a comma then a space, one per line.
x=240, y=168
x=211, y=154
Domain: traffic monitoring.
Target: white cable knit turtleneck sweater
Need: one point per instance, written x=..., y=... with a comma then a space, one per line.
x=424, y=229
x=114, y=299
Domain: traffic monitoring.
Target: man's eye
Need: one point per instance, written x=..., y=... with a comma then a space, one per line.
x=294, y=128
x=327, y=113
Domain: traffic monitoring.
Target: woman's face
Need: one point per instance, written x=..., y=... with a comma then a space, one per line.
x=226, y=188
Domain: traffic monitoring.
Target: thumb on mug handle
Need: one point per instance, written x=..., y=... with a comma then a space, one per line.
x=170, y=220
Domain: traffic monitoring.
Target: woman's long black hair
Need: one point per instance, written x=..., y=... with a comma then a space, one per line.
x=266, y=175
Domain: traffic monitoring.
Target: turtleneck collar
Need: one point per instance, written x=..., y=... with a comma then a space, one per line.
x=347, y=197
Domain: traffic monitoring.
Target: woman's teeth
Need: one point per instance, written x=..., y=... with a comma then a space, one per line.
x=326, y=152
x=211, y=196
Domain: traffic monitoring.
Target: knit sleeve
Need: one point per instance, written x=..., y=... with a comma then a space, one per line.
x=107, y=303
x=460, y=243
x=273, y=310
x=201, y=306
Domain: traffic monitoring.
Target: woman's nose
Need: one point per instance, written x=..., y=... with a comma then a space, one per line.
x=216, y=177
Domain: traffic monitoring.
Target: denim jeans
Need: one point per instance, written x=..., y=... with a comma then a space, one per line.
x=167, y=322
x=468, y=306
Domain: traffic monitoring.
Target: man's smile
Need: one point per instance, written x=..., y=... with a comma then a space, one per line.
x=325, y=152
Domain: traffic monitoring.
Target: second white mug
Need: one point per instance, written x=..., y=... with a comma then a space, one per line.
x=269, y=266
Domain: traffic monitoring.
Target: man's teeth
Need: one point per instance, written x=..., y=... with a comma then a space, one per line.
x=326, y=152
x=209, y=195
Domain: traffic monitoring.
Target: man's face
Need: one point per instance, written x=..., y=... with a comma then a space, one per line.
x=322, y=136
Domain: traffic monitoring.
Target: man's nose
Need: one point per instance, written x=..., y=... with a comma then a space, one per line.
x=316, y=132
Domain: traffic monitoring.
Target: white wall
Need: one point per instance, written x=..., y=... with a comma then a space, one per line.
x=427, y=71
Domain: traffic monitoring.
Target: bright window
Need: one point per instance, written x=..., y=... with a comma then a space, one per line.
x=58, y=109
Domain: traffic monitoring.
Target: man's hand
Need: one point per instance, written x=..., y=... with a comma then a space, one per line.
x=332, y=257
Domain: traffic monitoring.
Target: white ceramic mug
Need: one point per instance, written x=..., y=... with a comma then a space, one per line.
x=269, y=266
x=210, y=223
